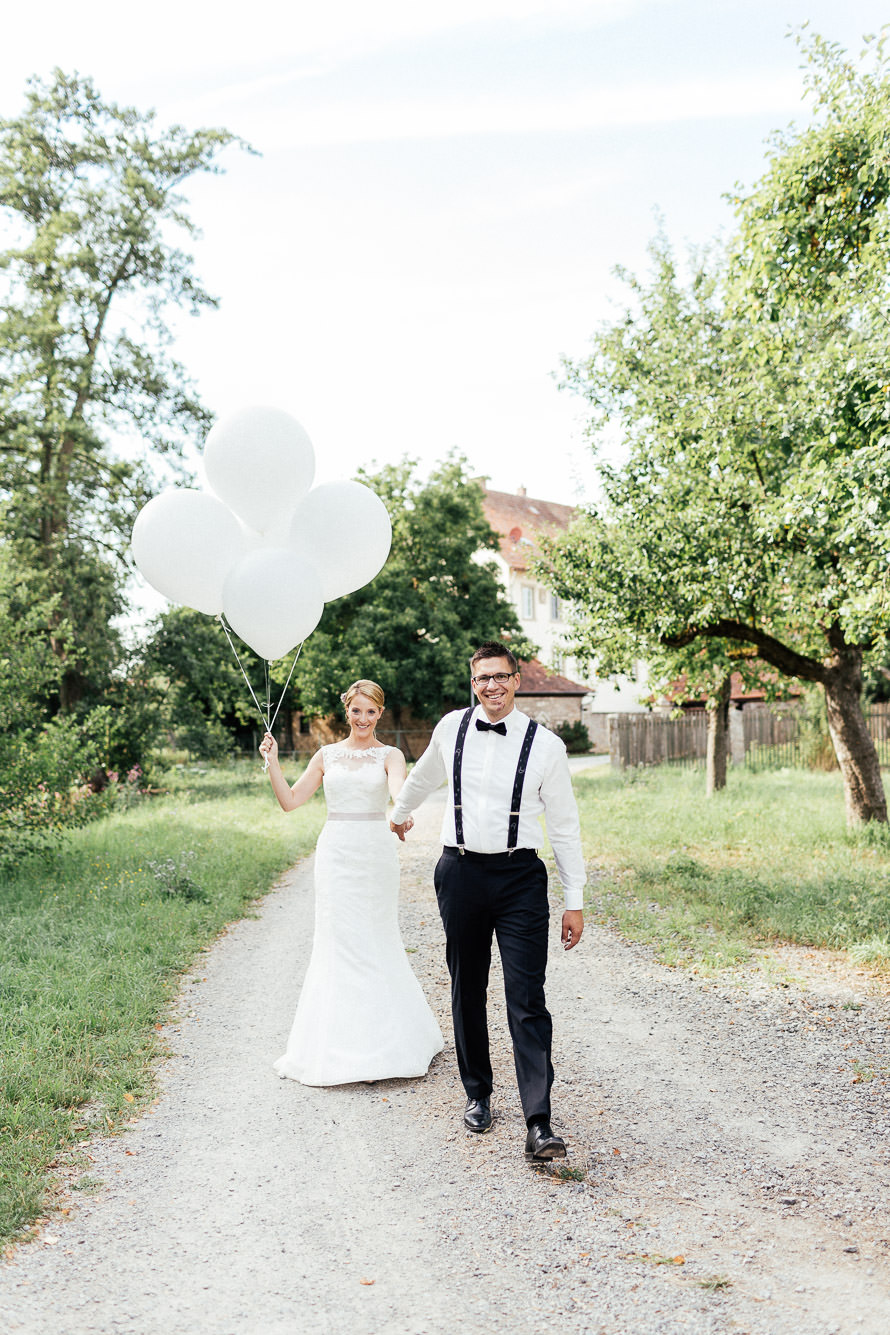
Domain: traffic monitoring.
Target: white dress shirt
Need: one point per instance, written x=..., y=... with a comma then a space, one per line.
x=487, y=776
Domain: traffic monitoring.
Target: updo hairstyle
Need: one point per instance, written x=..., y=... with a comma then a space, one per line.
x=370, y=689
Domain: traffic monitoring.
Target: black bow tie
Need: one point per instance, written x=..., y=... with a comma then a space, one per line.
x=482, y=726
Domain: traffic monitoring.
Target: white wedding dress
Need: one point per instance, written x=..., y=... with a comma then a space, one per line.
x=361, y=1014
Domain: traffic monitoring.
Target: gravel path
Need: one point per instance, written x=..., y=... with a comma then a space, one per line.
x=731, y=1176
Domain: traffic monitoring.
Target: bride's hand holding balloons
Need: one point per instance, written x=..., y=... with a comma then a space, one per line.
x=269, y=748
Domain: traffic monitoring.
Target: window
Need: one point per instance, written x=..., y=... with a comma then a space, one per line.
x=528, y=602
x=555, y=608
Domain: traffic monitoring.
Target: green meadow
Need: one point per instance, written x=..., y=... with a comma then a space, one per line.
x=93, y=941
x=769, y=859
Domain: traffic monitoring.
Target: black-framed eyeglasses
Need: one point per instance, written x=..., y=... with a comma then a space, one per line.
x=499, y=678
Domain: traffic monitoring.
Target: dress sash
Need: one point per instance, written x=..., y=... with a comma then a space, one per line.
x=356, y=815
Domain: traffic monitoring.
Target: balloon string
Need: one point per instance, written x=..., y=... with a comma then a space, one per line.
x=286, y=684
x=265, y=719
x=243, y=673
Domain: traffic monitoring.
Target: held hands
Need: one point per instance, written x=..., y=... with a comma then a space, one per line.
x=402, y=830
x=572, y=927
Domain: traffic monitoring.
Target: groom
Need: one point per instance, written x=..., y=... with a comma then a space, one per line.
x=503, y=771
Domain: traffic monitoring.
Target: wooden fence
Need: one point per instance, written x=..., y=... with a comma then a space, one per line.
x=771, y=738
x=656, y=739
x=879, y=727
x=761, y=737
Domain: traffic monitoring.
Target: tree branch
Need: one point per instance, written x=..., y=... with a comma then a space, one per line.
x=771, y=650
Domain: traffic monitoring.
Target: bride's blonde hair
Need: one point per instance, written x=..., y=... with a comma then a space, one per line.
x=370, y=689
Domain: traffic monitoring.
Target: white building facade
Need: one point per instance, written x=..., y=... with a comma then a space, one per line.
x=518, y=520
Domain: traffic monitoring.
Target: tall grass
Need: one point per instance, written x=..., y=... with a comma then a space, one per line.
x=768, y=859
x=93, y=940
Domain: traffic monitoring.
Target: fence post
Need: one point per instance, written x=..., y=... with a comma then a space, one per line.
x=736, y=736
x=615, y=741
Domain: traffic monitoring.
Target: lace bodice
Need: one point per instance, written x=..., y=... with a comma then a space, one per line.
x=355, y=780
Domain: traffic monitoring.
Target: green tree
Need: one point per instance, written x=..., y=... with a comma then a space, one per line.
x=414, y=627
x=42, y=762
x=752, y=508
x=206, y=699
x=92, y=194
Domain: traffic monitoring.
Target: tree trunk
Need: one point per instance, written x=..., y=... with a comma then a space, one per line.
x=853, y=746
x=718, y=739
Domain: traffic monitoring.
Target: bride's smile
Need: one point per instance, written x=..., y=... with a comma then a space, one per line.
x=363, y=717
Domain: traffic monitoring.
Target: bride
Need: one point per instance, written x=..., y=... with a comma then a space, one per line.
x=361, y=1014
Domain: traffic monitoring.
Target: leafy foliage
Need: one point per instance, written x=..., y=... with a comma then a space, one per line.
x=575, y=736
x=43, y=762
x=91, y=193
x=751, y=512
x=205, y=696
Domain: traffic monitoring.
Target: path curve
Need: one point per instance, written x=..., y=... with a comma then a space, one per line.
x=713, y=1124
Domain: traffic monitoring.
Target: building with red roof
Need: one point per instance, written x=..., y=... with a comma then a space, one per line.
x=556, y=687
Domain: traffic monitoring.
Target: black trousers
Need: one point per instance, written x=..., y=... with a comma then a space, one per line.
x=504, y=895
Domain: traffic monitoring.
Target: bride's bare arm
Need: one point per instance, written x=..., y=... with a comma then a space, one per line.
x=396, y=771
x=291, y=797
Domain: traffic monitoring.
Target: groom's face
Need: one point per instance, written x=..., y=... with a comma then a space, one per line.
x=495, y=697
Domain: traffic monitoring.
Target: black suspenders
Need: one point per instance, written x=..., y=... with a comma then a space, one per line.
x=458, y=761
x=522, y=766
x=515, y=800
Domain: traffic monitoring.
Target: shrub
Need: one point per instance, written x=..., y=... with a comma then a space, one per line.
x=575, y=736
x=42, y=789
x=816, y=746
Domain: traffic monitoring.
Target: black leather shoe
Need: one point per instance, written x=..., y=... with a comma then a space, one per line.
x=478, y=1115
x=541, y=1143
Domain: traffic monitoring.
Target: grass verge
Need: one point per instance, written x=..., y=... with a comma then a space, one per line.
x=703, y=881
x=93, y=940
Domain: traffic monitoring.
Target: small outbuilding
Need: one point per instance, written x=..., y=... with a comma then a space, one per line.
x=549, y=697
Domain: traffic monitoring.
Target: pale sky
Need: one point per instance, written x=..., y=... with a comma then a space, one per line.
x=442, y=195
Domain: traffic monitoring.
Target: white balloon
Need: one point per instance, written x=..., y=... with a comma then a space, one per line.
x=345, y=529
x=260, y=461
x=273, y=600
x=184, y=543
x=276, y=536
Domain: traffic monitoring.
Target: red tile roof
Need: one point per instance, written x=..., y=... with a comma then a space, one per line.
x=536, y=679
x=519, y=519
x=739, y=691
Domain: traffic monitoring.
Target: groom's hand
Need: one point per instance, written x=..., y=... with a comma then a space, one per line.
x=572, y=927
x=401, y=830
